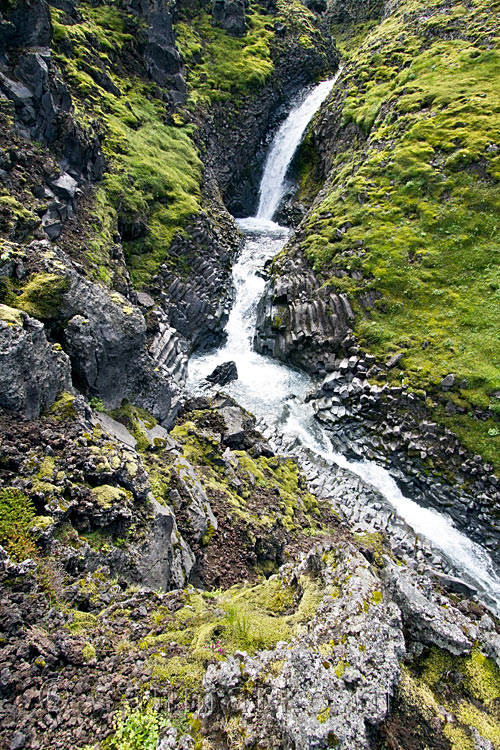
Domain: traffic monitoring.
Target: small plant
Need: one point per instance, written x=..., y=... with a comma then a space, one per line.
x=97, y=404
x=137, y=728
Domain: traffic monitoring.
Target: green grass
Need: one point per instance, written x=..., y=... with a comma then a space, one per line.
x=420, y=186
x=154, y=175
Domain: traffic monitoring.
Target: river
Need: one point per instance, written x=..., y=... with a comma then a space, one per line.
x=276, y=393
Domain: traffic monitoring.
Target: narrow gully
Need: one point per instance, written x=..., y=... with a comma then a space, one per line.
x=365, y=493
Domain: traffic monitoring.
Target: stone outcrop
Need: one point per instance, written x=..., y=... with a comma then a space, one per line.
x=161, y=56
x=106, y=337
x=32, y=370
x=301, y=322
x=230, y=15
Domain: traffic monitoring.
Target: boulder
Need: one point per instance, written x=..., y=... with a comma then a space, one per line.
x=32, y=370
x=224, y=373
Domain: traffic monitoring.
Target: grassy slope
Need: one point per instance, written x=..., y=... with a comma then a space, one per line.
x=423, y=198
x=154, y=174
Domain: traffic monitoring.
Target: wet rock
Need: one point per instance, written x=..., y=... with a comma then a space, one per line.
x=223, y=374
x=32, y=371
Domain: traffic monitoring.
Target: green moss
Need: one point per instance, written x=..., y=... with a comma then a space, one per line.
x=467, y=687
x=324, y=715
x=211, y=625
x=418, y=183
x=135, y=419
x=89, y=652
x=63, y=409
x=11, y=316
x=17, y=514
x=42, y=295
x=106, y=495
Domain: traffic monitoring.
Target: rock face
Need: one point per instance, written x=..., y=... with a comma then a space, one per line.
x=230, y=15
x=162, y=58
x=313, y=693
x=112, y=355
x=32, y=371
x=301, y=322
x=197, y=305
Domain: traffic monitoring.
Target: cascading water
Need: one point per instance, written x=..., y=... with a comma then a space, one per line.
x=275, y=393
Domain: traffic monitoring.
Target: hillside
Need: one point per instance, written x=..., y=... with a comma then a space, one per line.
x=176, y=573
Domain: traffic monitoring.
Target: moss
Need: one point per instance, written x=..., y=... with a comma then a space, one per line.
x=42, y=295
x=416, y=196
x=63, y=409
x=11, y=316
x=88, y=652
x=466, y=687
x=324, y=715
x=17, y=515
x=106, y=496
x=135, y=419
x=211, y=625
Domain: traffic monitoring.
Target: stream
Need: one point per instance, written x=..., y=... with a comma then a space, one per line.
x=364, y=493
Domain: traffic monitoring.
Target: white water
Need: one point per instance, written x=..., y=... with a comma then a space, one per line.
x=275, y=393
x=284, y=145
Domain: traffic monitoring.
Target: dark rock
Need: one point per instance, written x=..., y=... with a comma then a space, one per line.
x=27, y=24
x=230, y=15
x=223, y=373
x=32, y=371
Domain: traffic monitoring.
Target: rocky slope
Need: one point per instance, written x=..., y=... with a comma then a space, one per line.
x=166, y=579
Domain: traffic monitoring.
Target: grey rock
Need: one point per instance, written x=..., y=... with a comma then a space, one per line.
x=299, y=694
x=18, y=741
x=145, y=300
x=448, y=382
x=64, y=186
x=425, y=620
x=32, y=371
x=116, y=430
x=393, y=361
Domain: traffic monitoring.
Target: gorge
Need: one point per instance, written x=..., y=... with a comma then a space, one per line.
x=248, y=467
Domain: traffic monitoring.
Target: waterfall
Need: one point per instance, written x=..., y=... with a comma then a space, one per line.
x=284, y=146
x=276, y=393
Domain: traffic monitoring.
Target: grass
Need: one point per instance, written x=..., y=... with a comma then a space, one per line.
x=153, y=183
x=209, y=626
x=154, y=172
x=419, y=184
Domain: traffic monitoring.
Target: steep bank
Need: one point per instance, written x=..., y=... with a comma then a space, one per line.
x=389, y=280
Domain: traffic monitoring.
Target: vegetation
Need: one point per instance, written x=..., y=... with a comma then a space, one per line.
x=412, y=209
x=17, y=516
x=464, y=689
x=209, y=626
